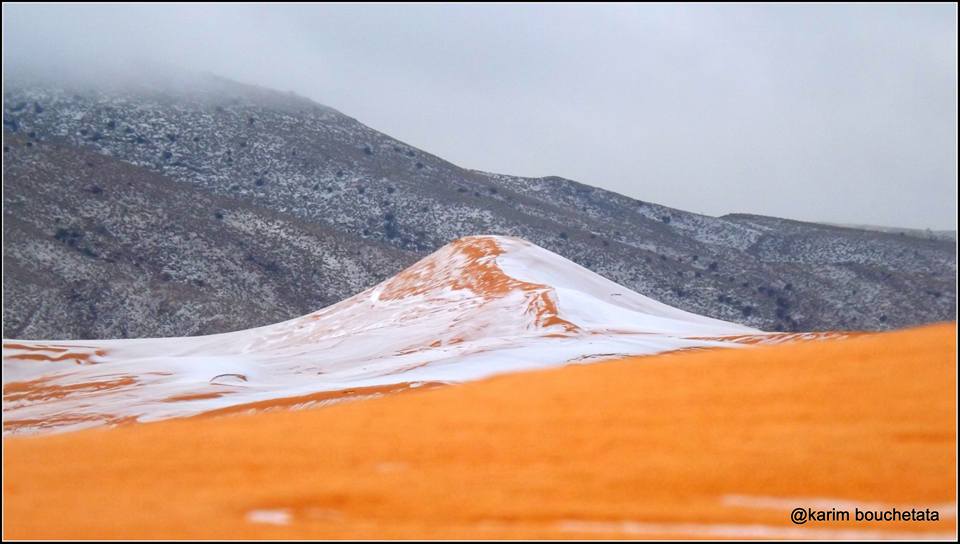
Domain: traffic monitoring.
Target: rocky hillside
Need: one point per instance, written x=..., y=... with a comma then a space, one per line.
x=205, y=206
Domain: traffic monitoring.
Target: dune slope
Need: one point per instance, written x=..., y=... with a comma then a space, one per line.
x=718, y=443
x=479, y=306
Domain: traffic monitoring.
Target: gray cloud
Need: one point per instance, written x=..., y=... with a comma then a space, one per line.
x=840, y=113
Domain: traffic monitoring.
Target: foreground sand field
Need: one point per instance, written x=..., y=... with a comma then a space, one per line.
x=708, y=444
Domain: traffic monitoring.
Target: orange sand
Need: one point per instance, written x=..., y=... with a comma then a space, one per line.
x=704, y=444
x=63, y=353
x=322, y=398
x=480, y=275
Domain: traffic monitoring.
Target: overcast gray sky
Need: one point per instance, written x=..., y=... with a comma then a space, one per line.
x=838, y=113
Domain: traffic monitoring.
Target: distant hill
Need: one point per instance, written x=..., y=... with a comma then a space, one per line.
x=919, y=233
x=202, y=206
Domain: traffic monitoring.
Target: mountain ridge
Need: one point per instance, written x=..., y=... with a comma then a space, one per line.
x=313, y=167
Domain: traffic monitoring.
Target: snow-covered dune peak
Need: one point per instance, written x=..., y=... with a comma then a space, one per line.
x=479, y=306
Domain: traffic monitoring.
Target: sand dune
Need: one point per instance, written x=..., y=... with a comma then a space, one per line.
x=711, y=444
x=480, y=306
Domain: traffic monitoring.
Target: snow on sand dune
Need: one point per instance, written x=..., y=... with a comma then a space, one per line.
x=479, y=306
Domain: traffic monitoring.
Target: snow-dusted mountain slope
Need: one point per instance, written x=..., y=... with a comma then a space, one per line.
x=479, y=306
x=183, y=206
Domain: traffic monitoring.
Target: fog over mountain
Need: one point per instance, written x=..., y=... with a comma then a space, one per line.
x=833, y=113
x=186, y=204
